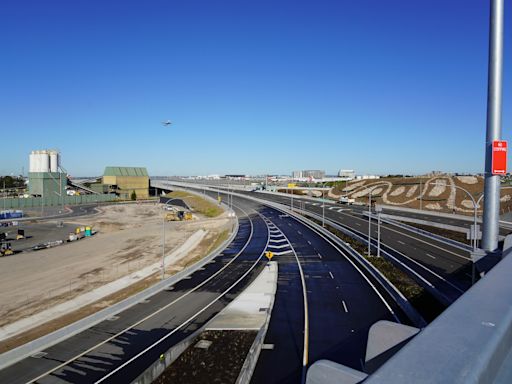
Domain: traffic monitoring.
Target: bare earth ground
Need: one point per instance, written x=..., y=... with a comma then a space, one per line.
x=129, y=238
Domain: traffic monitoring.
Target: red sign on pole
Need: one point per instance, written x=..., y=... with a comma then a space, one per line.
x=499, y=157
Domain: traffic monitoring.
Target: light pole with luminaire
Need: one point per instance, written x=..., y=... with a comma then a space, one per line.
x=323, y=205
x=163, y=233
x=474, y=229
x=369, y=220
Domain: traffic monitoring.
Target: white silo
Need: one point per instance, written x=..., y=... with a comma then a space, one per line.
x=32, y=162
x=54, y=161
x=45, y=161
x=37, y=161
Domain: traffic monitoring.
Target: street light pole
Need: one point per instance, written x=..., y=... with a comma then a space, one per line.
x=323, y=205
x=369, y=221
x=421, y=196
x=163, y=234
x=378, y=209
x=493, y=130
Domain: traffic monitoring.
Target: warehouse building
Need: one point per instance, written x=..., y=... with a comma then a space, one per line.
x=123, y=181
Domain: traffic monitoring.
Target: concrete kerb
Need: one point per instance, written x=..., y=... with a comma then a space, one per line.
x=389, y=288
x=10, y=357
x=167, y=358
x=254, y=352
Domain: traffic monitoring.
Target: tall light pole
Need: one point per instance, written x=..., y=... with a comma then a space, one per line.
x=474, y=231
x=493, y=132
x=421, y=196
x=369, y=221
x=163, y=233
x=323, y=205
x=378, y=209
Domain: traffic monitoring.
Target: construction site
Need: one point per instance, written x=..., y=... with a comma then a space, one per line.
x=100, y=258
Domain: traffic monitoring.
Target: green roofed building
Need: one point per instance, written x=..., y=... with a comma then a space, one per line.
x=123, y=181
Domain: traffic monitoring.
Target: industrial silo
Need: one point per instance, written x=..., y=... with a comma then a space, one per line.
x=54, y=161
x=32, y=162
x=45, y=161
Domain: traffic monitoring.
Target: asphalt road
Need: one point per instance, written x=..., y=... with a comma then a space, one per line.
x=446, y=268
x=92, y=354
x=342, y=306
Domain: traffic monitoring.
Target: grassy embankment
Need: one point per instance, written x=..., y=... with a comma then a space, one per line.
x=197, y=203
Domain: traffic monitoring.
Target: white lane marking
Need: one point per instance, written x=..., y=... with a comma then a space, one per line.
x=412, y=237
x=282, y=253
x=358, y=224
x=401, y=242
x=185, y=322
x=299, y=232
x=319, y=256
x=330, y=274
x=429, y=255
x=309, y=242
x=154, y=313
x=344, y=306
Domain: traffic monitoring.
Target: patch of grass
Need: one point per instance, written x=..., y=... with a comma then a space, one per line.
x=197, y=203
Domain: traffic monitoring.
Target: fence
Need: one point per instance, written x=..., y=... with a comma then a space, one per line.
x=53, y=201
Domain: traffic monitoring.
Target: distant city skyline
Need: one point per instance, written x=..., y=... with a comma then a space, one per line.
x=250, y=87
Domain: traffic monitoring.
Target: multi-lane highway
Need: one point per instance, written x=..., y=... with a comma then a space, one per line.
x=120, y=348
x=442, y=268
x=323, y=309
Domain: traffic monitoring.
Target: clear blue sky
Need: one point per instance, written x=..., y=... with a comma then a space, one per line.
x=261, y=86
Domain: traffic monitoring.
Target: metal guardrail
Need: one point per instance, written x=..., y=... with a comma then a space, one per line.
x=422, y=232
x=371, y=271
x=390, y=289
x=30, y=348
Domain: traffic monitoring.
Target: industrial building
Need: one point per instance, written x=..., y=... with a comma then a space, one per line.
x=309, y=174
x=123, y=181
x=46, y=178
x=347, y=174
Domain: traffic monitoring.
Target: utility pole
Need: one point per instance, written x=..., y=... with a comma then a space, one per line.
x=421, y=197
x=369, y=221
x=378, y=209
x=491, y=213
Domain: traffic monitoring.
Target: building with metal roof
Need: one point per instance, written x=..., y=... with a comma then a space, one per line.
x=123, y=181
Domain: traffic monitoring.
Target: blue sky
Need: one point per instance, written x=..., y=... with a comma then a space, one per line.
x=253, y=87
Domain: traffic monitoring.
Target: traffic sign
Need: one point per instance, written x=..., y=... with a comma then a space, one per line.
x=499, y=157
x=269, y=255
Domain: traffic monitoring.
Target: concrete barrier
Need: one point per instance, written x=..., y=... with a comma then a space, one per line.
x=30, y=348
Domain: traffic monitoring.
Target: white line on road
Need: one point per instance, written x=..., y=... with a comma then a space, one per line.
x=401, y=242
x=344, y=306
x=319, y=256
x=330, y=274
x=429, y=255
x=309, y=242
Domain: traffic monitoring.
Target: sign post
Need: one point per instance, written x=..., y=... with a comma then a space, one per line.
x=499, y=157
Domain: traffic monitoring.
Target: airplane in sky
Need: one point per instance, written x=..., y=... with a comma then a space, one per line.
x=166, y=123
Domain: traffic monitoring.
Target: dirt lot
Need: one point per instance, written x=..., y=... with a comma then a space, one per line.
x=129, y=238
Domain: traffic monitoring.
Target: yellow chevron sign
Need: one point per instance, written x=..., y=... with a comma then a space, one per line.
x=269, y=255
